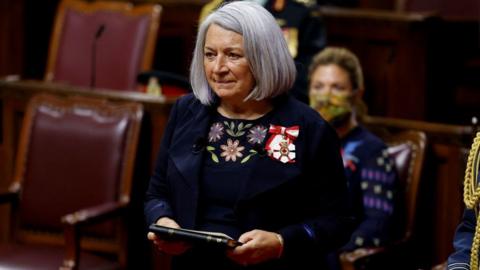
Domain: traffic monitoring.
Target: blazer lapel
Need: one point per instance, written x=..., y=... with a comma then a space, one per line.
x=193, y=130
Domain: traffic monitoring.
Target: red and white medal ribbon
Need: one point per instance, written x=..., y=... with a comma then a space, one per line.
x=280, y=144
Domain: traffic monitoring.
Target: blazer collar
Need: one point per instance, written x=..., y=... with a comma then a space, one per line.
x=188, y=148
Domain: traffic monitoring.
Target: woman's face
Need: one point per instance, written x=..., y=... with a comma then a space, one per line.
x=226, y=67
x=330, y=79
x=331, y=93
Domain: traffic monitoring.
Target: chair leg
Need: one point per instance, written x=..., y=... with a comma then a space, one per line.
x=72, y=246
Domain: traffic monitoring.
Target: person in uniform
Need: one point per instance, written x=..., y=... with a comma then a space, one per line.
x=467, y=236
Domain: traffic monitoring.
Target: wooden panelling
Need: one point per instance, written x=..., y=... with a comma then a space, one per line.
x=11, y=37
x=416, y=65
x=178, y=30
x=466, y=10
x=392, y=48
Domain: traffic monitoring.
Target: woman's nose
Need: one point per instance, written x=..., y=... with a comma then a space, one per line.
x=326, y=90
x=219, y=65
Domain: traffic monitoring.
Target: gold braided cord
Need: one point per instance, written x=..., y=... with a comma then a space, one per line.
x=471, y=195
x=471, y=192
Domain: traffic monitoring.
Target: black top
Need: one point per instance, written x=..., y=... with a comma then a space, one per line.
x=233, y=146
x=299, y=192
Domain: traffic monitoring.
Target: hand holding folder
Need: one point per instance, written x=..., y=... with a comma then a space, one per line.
x=194, y=236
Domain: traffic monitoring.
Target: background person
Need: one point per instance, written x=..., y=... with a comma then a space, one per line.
x=336, y=88
x=467, y=236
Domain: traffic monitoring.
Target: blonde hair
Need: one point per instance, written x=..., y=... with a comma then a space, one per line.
x=343, y=58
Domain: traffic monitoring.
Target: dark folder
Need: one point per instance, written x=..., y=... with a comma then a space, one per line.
x=194, y=237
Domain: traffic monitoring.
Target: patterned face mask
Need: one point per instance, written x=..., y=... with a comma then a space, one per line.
x=333, y=107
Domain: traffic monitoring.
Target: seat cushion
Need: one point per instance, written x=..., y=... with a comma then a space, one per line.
x=43, y=257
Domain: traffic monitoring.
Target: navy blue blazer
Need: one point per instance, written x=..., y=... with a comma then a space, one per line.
x=463, y=239
x=303, y=201
x=462, y=242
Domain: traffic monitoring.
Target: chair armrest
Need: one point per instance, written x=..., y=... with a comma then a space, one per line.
x=94, y=214
x=74, y=221
x=442, y=266
x=366, y=257
x=348, y=259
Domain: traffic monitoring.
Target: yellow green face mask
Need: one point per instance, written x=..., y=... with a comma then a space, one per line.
x=333, y=107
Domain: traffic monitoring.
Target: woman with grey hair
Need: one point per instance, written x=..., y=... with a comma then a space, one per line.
x=241, y=157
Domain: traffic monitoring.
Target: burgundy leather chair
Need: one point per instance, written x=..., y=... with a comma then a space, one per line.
x=407, y=148
x=102, y=44
x=72, y=184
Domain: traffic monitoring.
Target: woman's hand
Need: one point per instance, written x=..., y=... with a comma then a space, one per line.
x=166, y=246
x=258, y=246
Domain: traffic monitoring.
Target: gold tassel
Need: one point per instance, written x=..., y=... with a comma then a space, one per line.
x=471, y=195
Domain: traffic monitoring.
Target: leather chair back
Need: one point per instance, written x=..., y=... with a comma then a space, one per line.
x=102, y=44
x=407, y=149
x=74, y=154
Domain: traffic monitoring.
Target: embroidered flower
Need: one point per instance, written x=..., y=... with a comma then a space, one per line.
x=257, y=134
x=231, y=151
x=216, y=131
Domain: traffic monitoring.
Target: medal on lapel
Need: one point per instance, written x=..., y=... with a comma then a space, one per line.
x=280, y=144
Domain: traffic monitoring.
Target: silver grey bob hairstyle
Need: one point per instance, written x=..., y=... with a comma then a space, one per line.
x=264, y=45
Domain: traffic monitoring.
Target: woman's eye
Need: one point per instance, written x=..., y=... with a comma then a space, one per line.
x=318, y=87
x=233, y=56
x=209, y=55
x=338, y=88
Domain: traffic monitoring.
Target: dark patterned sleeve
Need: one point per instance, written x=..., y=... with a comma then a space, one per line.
x=378, y=185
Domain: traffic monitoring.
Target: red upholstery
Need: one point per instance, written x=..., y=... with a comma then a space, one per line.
x=15, y=257
x=118, y=55
x=74, y=168
x=120, y=52
x=71, y=151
